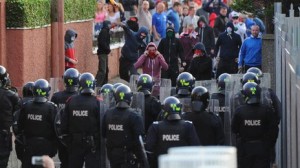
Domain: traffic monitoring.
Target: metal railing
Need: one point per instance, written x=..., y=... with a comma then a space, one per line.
x=287, y=57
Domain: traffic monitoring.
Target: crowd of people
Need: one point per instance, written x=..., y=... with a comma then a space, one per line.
x=188, y=42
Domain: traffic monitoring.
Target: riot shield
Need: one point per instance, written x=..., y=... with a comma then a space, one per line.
x=133, y=82
x=164, y=89
x=265, y=81
x=138, y=103
x=108, y=99
x=210, y=85
x=97, y=91
x=233, y=98
x=104, y=106
x=57, y=84
x=186, y=104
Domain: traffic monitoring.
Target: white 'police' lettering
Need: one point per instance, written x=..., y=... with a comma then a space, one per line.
x=82, y=113
x=174, y=137
x=34, y=117
x=221, y=109
x=252, y=122
x=114, y=127
x=61, y=105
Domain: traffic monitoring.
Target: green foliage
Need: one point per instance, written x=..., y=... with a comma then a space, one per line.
x=243, y=5
x=34, y=13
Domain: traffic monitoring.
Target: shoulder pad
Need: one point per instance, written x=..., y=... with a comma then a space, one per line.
x=24, y=103
x=187, y=121
x=50, y=102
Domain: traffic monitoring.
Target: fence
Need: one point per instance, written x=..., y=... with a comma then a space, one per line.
x=287, y=57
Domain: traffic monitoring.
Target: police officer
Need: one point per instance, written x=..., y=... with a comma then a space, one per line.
x=107, y=93
x=270, y=99
x=185, y=83
x=36, y=122
x=81, y=122
x=207, y=124
x=71, y=81
x=8, y=104
x=27, y=92
x=170, y=132
x=256, y=129
x=122, y=127
x=152, y=104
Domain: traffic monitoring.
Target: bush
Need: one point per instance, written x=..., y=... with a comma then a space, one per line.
x=35, y=13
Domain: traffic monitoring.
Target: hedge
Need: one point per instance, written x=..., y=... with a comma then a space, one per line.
x=36, y=13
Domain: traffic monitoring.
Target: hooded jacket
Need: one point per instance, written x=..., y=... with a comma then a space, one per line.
x=151, y=66
x=134, y=44
x=69, y=48
x=229, y=44
x=171, y=48
x=104, y=39
x=206, y=35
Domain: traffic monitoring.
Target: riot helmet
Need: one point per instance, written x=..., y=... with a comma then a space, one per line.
x=251, y=92
x=221, y=82
x=71, y=79
x=145, y=84
x=123, y=96
x=86, y=83
x=250, y=77
x=256, y=70
x=28, y=89
x=172, y=108
x=3, y=76
x=41, y=90
x=117, y=85
x=185, y=83
x=200, y=99
x=106, y=89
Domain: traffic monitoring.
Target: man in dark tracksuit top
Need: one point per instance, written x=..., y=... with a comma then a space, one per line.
x=207, y=124
x=171, y=132
x=27, y=92
x=122, y=127
x=8, y=104
x=134, y=46
x=36, y=122
x=229, y=44
x=71, y=80
x=102, y=52
x=81, y=122
x=171, y=48
x=256, y=129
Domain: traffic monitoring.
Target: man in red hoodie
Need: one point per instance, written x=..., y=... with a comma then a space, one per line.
x=70, y=59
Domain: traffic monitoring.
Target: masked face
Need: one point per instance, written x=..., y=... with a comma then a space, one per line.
x=143, y=36
x=200, y=24
x=152, y=52
x=170, y=34
x=198, y=52
x=229, y=30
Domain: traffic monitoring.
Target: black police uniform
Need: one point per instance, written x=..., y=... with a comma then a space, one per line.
x=256, y=130
x=121, y=128
x=8, y=104
x=208, y=127
x=152, y=110
x=81, y=121
x=165, y=134
x=36, y=121
x=60, y=98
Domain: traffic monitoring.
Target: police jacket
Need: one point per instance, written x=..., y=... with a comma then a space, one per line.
x=152, y=110
x=8, y=105
x=81, y=116
x=60, y=98
x=37, y=120
x=255, y=122
x=122, y=127
x=208, y=127
x=165, y=134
